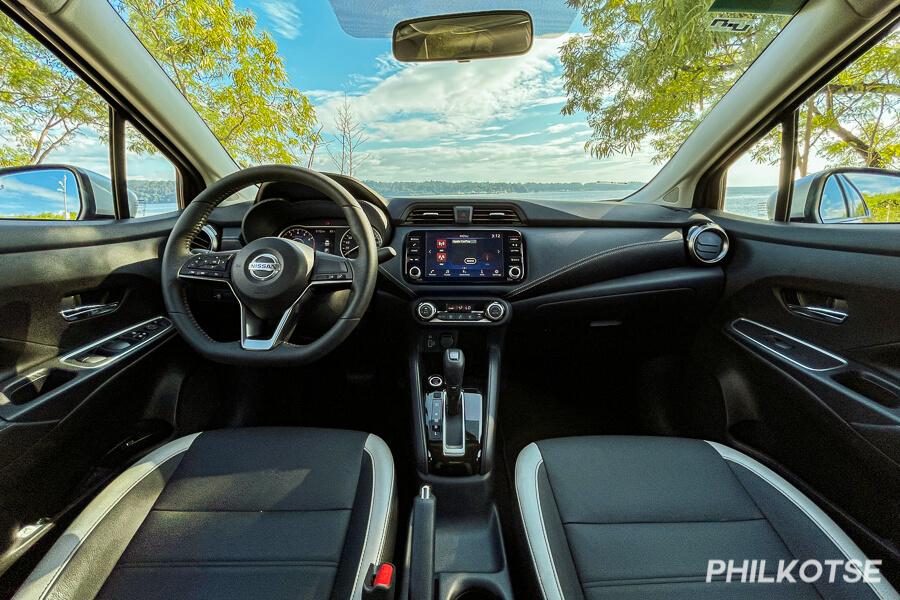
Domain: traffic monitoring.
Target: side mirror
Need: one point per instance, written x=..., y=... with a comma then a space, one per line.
x=464, y=36
x=54, y=192
x=847, y=195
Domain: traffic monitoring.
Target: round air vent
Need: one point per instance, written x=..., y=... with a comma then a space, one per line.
x=707, y=243
x=207, y=240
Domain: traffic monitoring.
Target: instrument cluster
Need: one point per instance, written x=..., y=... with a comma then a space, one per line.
x=331, y=239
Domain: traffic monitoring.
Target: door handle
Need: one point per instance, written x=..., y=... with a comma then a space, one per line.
x=821, y=313
x=87, y=311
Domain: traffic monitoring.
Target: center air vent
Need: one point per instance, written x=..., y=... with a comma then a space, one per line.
x=707, y=243
x=430, y=215
x=495, y=215
x=206, y=240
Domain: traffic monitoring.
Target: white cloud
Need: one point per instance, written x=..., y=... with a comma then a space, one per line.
x=285, y=17
x=560, y=127
x=425, y=100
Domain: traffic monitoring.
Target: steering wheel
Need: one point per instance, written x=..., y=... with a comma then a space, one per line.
x=271, y=277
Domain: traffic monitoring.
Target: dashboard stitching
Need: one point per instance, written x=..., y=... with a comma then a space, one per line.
x=582, y=261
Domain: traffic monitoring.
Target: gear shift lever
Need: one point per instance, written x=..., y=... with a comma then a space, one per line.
x=454, y=366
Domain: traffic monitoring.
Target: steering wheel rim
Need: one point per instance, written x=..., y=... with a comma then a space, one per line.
x=363, y=271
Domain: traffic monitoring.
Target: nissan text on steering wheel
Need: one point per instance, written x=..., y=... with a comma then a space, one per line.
x=270, y=277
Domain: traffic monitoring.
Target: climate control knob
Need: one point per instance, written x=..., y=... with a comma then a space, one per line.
x=515, y=272
x=495, y=311
x=415, y=272
x=426, y=311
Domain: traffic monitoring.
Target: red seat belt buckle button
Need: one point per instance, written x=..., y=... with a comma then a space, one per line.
x=380, y=583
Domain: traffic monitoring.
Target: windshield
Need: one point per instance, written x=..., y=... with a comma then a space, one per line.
x=608, y=92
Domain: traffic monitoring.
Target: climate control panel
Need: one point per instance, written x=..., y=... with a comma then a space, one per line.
x=443, y=311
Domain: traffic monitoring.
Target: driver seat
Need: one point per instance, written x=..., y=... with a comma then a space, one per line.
x=236, y=513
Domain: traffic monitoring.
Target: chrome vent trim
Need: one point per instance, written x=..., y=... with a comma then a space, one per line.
x=707, y=243
x=498, y=215
x=207, y=240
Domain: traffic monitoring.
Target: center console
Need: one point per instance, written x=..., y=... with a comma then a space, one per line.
x=457, y=326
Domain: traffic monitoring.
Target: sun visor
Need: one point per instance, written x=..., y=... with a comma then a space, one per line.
x=377, y=18
x=764, y=7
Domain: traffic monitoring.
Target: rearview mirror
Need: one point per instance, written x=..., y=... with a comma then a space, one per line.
x=55, y=192
x=463, y=37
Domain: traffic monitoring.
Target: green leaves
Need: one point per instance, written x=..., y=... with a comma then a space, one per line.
x=231, y=73
x=648, y=71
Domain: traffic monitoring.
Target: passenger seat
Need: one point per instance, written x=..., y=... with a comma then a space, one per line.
x=642, y=517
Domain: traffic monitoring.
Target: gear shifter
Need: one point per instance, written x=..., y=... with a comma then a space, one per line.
x=454, y=366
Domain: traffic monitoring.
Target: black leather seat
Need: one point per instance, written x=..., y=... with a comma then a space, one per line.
x=241, y=513
x=633, y=517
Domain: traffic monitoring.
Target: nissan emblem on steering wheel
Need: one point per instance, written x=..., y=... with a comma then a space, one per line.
x=264, y=267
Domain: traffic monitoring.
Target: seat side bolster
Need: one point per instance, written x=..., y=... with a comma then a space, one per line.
x=816, y=515
x=77, y=565
x=528, y=495
x=377, y=544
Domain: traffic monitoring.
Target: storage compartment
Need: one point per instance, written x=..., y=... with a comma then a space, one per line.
x=870, y=386
x=35, y=384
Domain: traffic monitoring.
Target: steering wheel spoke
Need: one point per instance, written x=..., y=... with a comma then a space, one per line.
x=208, y=266
x=331, y=269
x=259, y=334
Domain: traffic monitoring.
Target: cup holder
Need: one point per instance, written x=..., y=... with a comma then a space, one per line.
x=35, y=384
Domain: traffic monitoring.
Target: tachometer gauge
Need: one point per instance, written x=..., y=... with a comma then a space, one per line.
x=349, y=247
x=299, y=234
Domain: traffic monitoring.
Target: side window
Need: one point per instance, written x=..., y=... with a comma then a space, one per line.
x=150, y=177
x=848, y=166
x=845, y=150
x=54, y=133
x=752, y=180
x=55, y=142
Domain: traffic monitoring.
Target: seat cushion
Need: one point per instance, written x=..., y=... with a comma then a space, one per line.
x=641, y=517
x=241, y=513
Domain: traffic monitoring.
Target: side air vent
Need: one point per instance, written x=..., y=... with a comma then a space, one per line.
x=430, y=215
x=496, y=215
x=707, y=243
x=207, y=240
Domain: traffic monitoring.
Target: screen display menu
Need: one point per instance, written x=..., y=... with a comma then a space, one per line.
x=464, y=255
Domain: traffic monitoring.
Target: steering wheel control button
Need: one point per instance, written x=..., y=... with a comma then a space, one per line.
x=264, y=267
x=495, y=311
x=426, y=311
x=206, y=265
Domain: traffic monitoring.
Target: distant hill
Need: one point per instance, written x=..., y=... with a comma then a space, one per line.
x=452, y=188
x=153, y=192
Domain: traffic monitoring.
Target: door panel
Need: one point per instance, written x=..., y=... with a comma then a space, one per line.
x=73, y=399
x=831, y=424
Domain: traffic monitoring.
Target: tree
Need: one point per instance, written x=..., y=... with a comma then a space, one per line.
x=351, y=134
x=230, y=72
x=648, y=71
x=43, y=105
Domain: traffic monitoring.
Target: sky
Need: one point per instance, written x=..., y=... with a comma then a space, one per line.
x=485, y=120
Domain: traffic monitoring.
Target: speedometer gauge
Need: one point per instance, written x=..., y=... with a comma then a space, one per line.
x=299, y=234
x=349, y=247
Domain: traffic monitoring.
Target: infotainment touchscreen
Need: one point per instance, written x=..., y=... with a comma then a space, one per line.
x=464, y=255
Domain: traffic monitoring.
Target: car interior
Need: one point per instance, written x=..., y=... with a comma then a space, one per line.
x=295, y=386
